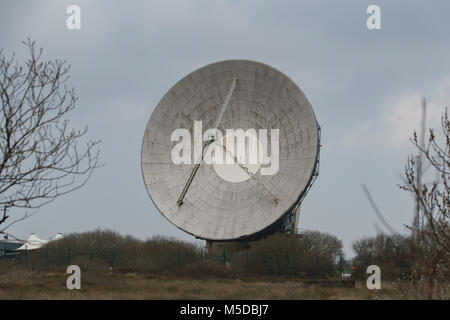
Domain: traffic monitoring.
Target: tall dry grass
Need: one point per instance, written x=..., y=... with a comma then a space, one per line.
x=24, y=284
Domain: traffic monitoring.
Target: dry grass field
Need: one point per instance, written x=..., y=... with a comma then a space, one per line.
x=24, y=284
x=118, y=267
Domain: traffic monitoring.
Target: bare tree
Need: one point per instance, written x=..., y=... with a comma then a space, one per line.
x=432, y=249
x=40, y=157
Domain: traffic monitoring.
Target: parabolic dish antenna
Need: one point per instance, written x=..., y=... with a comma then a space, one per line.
x=181, y=159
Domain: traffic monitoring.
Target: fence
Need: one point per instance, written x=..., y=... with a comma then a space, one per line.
x=244, y=263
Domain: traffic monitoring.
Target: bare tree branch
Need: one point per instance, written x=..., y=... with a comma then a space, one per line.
x=433, y=243
x=41, y=158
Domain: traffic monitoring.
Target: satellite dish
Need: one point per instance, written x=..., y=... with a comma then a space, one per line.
x=206, y=199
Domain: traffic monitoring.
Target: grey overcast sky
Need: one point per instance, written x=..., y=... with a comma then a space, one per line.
x=364, y=85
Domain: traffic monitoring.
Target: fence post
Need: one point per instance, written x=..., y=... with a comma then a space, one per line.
x=46, y=257
x=246, y=262
x=224, y=256
x=271, y=263
x=364, y=266
x=317, y=266
x=293, y=266
x=91, y=256
x=112, y=257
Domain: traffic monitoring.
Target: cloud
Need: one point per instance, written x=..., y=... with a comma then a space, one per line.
x=400, y=118
x=358, y=136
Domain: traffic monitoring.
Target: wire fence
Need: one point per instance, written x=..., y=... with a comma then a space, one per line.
x=180, y=260
x=315, y=256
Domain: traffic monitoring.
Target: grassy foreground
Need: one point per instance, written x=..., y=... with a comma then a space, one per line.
x=24, y=284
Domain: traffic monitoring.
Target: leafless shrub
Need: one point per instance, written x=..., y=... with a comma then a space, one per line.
x=315, y=254
x=389, y=252
x=431, y=249
x=106, y=249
